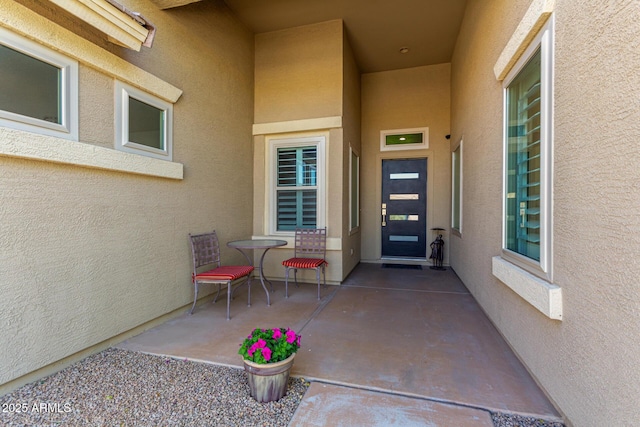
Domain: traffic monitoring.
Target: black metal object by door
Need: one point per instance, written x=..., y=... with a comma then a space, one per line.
x=404, y=208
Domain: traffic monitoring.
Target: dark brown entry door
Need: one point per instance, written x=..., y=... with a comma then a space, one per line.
x=404, y=208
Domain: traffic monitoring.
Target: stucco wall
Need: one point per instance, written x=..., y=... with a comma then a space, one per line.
x=402, y=99
x=299, y=73
x=588, y=361
x=306, y=73
x=88, y=254
x=352, y=134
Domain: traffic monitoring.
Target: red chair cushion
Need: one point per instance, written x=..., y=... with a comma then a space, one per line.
x=304, y=262
x=227, y=272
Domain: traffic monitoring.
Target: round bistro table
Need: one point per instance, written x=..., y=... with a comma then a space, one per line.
x=265, y=245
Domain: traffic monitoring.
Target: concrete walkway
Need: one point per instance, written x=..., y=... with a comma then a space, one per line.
x=388, y=347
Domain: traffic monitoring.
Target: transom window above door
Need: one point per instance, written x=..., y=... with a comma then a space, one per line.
x=404, y=139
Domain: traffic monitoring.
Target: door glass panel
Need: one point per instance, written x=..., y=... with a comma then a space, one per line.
x=404, y=197
x=396, y=238
x=404, y=176
x=403, y=217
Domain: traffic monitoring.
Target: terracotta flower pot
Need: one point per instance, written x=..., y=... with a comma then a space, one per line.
x=268, y=382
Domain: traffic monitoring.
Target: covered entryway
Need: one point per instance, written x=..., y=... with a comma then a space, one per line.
x=407, y=339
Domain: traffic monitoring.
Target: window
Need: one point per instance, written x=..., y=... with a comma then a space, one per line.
x=456, y=189
x=354, y=190
x=38, y=88
x=143, y=123
x=527, y=156
x=298, y=199
x=404, y=139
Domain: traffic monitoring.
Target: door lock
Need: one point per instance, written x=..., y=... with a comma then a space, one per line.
x=384, y=214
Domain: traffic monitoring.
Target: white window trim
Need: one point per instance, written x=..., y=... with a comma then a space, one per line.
x=352, y=153
x=419, y=146
x=123, y=92
x=544, y=41
x=272, y=159
x=20, y=144
x=41, y=30
x=540, y=293
x=68, y=128
x=457, y=231
x=538, y=13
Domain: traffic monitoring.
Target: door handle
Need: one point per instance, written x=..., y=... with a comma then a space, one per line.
x=384, y=214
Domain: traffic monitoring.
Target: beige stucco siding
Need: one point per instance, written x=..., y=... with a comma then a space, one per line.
x=88, y=254
x=404, y=99
x=307, y=84
x=588, y=361
x=299, y=73
x=352, y=134
x=334, y=167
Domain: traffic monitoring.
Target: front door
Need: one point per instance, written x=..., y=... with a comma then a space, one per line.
x=404, y=208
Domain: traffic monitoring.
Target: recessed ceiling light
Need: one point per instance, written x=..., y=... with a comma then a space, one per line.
x=404, y=50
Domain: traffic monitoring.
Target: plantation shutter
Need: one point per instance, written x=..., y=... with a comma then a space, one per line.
x=297, y=188
x=524, y=161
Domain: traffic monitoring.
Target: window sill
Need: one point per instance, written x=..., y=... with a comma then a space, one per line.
x=25, y=145
x=544, y=296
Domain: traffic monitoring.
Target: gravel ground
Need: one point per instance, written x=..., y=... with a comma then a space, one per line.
x=124, y=388
x=507, y=420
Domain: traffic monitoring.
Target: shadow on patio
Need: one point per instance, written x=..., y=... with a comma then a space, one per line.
x=401, y=344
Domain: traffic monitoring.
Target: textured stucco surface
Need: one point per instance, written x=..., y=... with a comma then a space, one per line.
x=404, y=99
x=351, y=246
x=303, y=73
x=70, y=36
x=299, y=73
x=588, y=362
x=88, y=254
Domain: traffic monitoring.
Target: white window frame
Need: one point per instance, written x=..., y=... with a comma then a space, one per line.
x=459, y=180
x=68, y=128
x=123, y=92
x=281, y=142
x=543, y=41
x=354, y=199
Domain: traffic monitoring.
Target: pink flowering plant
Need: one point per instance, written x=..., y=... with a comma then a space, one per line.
x=269, y=345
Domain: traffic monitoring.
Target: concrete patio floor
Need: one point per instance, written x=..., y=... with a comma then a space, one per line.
x=388, y=347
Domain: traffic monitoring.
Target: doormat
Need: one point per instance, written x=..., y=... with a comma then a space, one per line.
x=405, y=266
